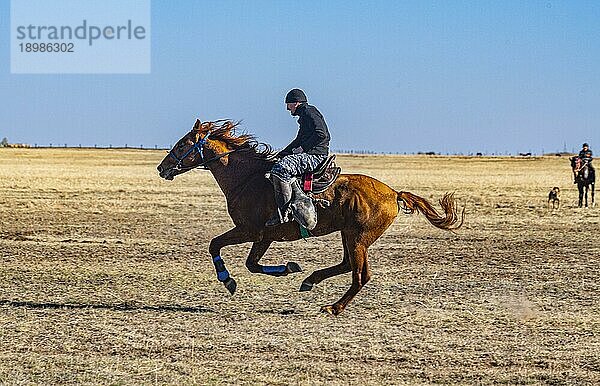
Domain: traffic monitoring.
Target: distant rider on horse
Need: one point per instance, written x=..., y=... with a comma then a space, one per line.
x=585, y=156
x=303, y=154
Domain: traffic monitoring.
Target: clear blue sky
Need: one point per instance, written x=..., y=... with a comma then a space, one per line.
x=444, y=76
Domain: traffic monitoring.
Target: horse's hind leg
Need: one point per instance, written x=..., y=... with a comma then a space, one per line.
x=359, y=266
x=322, y=274
x=257, y=252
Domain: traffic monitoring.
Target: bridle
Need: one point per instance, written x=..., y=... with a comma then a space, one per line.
x=199, y=147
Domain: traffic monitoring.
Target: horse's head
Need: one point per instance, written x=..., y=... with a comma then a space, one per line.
x=584, y=172
x=195, y=149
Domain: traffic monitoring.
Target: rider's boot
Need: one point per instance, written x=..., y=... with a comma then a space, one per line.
x=283, y=196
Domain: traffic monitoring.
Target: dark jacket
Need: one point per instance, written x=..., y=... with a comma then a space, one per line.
x=582, y=153
x=313, y=134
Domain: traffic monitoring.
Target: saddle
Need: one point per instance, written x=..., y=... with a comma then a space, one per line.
x=322, y=177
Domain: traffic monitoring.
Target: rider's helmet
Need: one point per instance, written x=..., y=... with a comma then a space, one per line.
x=585, y=145
x=295, y=95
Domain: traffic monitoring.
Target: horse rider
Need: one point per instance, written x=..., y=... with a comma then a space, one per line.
x=303, y=154
x=585, y=151
x=585, y=156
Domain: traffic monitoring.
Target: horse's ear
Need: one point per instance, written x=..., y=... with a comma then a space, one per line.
x=197, y=125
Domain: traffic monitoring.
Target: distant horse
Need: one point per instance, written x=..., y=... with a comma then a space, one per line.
x=585, y=177
x=361, y=207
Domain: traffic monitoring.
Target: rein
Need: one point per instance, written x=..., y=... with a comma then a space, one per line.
x=199, y=147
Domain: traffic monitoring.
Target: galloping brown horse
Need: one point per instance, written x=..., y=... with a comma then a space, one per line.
x=361, y=207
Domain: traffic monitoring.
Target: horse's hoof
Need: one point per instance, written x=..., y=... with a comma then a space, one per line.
x=230, y=284
x=331, y=310
x=293, y=267
x=306, y=286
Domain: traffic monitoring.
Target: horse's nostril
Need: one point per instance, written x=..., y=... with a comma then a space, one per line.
x=159, y=168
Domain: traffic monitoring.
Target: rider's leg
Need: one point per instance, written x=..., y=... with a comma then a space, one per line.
x=287, y=169
x=282, y=174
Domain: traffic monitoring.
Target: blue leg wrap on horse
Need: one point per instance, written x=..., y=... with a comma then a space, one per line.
x=222, y=273
x=274, y=268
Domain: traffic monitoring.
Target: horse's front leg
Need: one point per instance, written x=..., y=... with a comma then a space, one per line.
x=231, y=237
x=257, y=252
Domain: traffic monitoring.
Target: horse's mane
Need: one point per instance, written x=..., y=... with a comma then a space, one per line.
x=225, y=130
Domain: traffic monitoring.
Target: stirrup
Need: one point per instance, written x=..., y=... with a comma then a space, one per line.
x=278, y=218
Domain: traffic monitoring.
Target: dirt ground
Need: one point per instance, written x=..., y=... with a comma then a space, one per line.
x=105, y=278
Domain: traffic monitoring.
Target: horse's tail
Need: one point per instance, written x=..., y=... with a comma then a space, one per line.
x=410, y=203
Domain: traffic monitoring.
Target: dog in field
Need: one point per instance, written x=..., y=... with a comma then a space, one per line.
x=554, y=198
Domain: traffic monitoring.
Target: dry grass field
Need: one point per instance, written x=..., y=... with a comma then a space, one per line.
x=105, y=278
